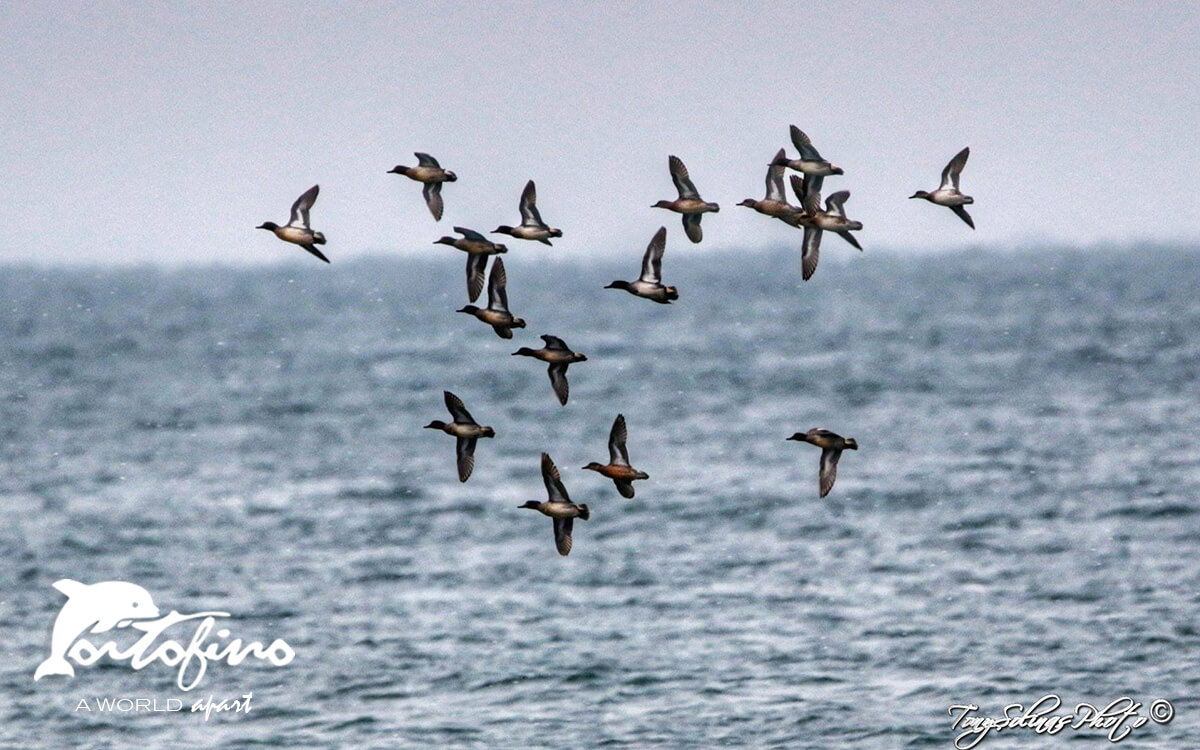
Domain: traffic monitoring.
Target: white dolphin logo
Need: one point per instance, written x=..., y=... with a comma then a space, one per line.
x=92, y=609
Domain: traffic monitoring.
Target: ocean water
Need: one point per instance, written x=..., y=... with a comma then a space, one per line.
x=1022, y=517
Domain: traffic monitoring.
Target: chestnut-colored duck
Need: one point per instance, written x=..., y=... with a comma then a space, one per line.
x=618, y=468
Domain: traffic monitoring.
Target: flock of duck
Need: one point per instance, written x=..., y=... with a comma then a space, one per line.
x=809, y=215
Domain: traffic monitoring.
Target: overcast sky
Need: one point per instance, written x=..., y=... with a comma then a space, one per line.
x=166, y=132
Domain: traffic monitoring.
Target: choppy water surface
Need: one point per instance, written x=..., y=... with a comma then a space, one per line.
x=1022, y=517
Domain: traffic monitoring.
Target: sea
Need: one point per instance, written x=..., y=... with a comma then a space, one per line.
x=1021, y=519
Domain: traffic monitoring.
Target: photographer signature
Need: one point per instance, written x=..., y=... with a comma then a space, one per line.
x=1119, y=718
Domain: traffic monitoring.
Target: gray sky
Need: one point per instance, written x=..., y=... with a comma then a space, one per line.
x=166, y=132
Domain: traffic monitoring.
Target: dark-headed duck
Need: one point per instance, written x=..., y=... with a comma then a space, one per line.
x=558, y=506
x=775, y=203
x=817, y=221
x=429, y=172
x=298, y=231
x=949, y=194
x=478, y=248
x=465, y=429
x=532, y=227
x=496, y=314
x=618, y=468
x=689, y=203
x=650, y=285
x=559, y=355
x=831, y=445
x=810, y=162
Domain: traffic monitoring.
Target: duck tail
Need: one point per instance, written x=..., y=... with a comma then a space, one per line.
x=318, y=238
x=584, y=513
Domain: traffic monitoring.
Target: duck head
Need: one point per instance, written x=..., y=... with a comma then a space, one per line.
x=270, y=226
x=919, y=194
x=532, y=505
x=503, y=229
x=781, y=161
x=749, y=203
x=618, y=285
x=524, y=351
x=398, y=169
x=593, y=466
x=436, y=424
x=445, y=241
x=663, y=204
x=798, y=436
x=470, y=309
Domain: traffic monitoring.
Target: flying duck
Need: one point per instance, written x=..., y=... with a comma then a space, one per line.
x=298, y=231
x=478, y=248
x=496, y=314
x=816, y=221
x=775, y=203
x=949, y=194
x=810, y=162
x=558, y=506
x=431, y=173
x=466, y=430
x=689, y=203
x=650, y=285
x=532, y=227
x=559, y=356
x=618, y=468
x=831, y=445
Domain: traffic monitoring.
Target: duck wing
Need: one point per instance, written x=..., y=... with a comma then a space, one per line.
x=425, y=160
x=803, y=186
x=302, y=206
x=503, y=332
x=691, y=226
x=554, y=342
x=775, y=178
x=558, y=381
x=804, y=145
x=312, y=249
x=457, y=410
x=476, y=266
x=562, y=535
x=471, y=234
x=812, y=252
x=625, y=487
x=962, y=214
x=466, y=458
x=497, y=282
x=652, y=260
x=845, y=235
x=953, y=170
x=836, y=203
x=433, y=198
x=829, y=462
x=617, y=452
x=529, y=213
x=553, y=480
x=683, y=183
